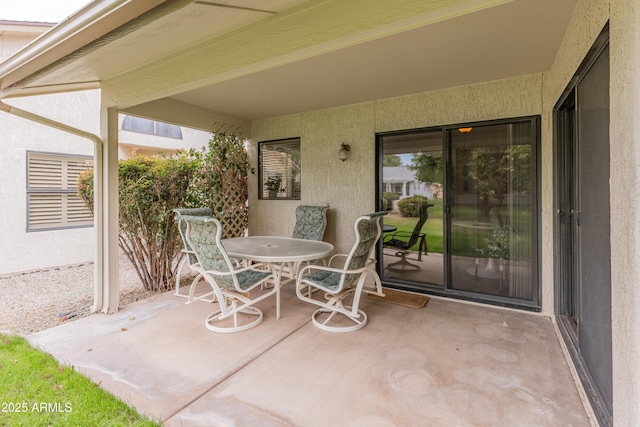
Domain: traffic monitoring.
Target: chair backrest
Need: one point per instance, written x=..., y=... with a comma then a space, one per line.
x=203, y=235
x=311, y=222
x=182, y=227
x=423, y=215
x=368, y=231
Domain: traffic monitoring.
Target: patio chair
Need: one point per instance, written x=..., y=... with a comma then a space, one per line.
x=189, y=257
x=311, y=223
x=231, y=284
x=345, y=275
x=402, y=242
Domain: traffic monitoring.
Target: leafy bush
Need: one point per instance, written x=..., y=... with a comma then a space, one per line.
x=409, y=206
x=221, y=183
x=150, y=187
x=387, y=199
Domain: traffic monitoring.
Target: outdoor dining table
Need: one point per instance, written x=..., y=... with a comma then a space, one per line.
x=273, y=249
x=276, y=250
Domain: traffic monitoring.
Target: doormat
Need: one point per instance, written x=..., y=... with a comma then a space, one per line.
x=407, y=299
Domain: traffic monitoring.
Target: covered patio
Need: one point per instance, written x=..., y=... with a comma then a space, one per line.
x=325, y=73
x=448, y=363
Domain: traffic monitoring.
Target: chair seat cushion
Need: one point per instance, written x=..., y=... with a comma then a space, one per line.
x=329, y=280
x=246, y=279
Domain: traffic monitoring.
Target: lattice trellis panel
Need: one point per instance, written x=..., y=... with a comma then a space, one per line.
x=231, y=209
x=230, y=203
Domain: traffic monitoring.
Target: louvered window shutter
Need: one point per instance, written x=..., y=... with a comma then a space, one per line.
x=52, y=190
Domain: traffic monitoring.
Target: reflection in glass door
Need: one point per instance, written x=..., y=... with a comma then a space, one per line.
x=464, y=210
x=493, y=209
x=412, y=189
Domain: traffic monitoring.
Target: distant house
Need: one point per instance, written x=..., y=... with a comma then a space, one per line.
x=402, y=181
x=43, y=222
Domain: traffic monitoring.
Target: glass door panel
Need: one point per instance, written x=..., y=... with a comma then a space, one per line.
x=412, y=189
x=493, y=209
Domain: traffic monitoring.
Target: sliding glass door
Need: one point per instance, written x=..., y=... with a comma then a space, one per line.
x=464, y=210
x=412, y=181
x=493, y=209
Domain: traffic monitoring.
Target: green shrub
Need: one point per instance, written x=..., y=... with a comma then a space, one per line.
x=150, y=187
x=387, y=199
x=409, y=206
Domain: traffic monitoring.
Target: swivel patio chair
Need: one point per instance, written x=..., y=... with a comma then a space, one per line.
x=311, y=223
x=402, y=242
x=231, y=284
x=189, y=258
x=345, y=275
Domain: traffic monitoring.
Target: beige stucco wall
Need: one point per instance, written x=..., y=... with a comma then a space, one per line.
x=21, y=250
x=349, y=187
x=625, y=212
x=588, y=21
x=624, y=19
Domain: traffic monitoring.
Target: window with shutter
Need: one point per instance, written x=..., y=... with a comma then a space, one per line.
x=52, y=191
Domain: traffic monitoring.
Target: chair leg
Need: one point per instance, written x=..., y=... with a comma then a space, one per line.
x=229, y=312
x=178, y=276
x=359, y=320
x=204, y=297
x=403, y=264
x=335, y=305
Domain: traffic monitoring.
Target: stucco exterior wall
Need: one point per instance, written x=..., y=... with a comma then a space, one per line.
x=349, y=187
x=587, y=23
x=21, y=250
x=625, y=212
x=624, y=21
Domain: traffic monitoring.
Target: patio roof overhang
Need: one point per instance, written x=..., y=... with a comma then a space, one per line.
x=241, y=60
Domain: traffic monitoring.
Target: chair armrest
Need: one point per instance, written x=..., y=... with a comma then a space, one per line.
x=331, y=269
x=255, y=267
x=336, y=256
x=401, y=234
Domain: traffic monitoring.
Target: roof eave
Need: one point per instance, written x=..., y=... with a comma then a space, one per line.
x=83, y=27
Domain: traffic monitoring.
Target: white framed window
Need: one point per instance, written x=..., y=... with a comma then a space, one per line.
x=279, y=169
x=151, y=127
x=52, y=191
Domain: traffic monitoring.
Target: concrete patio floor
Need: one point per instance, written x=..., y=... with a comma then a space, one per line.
x=446, y=364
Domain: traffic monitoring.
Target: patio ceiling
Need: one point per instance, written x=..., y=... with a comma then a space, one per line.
x=251, y=59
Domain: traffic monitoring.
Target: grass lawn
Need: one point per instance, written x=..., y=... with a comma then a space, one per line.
x=36, y=391
x=464, y=241
x=433, y=226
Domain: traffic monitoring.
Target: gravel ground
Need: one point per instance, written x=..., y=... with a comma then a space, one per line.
x=37, y=300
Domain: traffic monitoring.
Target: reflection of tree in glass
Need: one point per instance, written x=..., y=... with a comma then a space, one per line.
x=499, y=171
x=428, y=167
x=391, y=160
